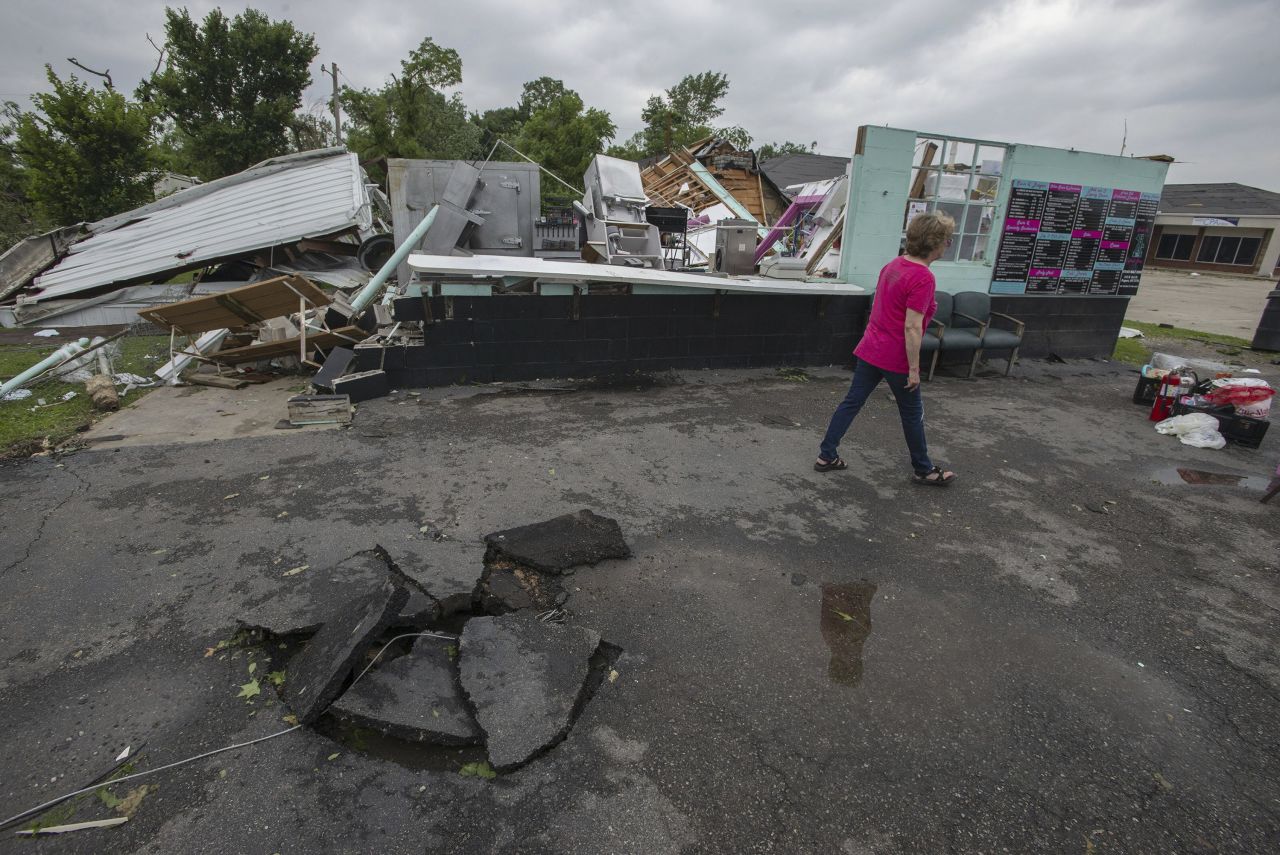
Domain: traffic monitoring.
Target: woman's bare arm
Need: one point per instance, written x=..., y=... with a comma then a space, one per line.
x=913, y=331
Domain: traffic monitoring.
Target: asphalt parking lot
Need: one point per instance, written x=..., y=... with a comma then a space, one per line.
x=1072, y=649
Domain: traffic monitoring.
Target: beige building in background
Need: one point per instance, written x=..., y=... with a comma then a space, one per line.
x=1223, y=228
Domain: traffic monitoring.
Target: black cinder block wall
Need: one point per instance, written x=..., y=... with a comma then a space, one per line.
x=1072, y=327
x=487, y=339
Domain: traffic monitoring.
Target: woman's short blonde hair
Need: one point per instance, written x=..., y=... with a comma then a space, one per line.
x=927, y=232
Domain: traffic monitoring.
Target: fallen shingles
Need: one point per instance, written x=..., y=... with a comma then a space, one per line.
x=415, y=698
x=318, y=673
x=560, y=543
x=523, y=678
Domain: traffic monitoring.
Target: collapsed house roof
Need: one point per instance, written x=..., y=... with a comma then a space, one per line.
x=711, y=172
x=791, y=169
x=315, y=194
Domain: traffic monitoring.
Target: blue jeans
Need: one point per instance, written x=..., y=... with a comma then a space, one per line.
x=866, y=377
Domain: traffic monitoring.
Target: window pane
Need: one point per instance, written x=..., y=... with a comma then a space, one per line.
x=1248, y=250
x=1186, y=243
x=1166, y=245
x=1209, y=249
x=1227, y=250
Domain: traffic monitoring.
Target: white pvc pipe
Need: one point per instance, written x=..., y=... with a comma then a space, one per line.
x=63, y=354
x=370, y=291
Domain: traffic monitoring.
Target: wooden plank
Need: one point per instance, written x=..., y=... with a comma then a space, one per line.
x=287, y=347
x=238, y=307
x=926, y=160
x=217, y=380
x=320, y=409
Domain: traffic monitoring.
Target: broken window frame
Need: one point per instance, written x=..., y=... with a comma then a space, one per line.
x=969, y=234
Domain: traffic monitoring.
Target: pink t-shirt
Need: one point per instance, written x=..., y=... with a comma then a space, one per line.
x=903, y=285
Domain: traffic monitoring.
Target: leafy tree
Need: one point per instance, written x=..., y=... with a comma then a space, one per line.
x=410, y=116
x=505, y=123
x=230, y=87
x=538, y=94
x=680, y=116
x=15, y=210
x=500, y=123
x=563, y=136
x=310, y=131
x=771, y=150
x=85, y=153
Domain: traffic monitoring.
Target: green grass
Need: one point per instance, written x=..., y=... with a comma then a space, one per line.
x=1157, y=331
x=1131, y=351
x=1135, y=351
x=26, y=427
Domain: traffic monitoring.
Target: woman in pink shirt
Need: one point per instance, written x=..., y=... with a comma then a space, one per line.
x=890, y=348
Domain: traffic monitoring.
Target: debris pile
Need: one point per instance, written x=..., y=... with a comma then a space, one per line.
x=423, y=650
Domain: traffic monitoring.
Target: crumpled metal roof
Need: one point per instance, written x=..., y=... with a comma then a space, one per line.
x=279, y=201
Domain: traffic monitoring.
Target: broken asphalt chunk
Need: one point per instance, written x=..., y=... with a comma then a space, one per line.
x=523, y=678
x=318, y=673
x=415, y=698
x=560, y=543
x=307, y=600
x=448, y=570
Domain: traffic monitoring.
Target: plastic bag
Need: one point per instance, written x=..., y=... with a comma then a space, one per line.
x=1179, y=425
x=1251, y=397
x=1204, y=438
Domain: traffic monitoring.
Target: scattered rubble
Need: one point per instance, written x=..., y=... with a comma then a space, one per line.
x=415, y=698
x=524, y=679
x=317, y=674
x=560, y=543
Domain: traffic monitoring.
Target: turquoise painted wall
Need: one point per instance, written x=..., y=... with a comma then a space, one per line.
x=882, y=178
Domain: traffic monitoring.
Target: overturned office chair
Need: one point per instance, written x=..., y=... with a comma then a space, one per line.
x=972, y=311
x=944, y=335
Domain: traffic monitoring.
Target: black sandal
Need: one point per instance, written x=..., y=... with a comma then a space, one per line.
x=933, y=478
x=830, y=466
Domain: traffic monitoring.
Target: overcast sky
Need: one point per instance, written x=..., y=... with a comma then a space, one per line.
x=1198, y=80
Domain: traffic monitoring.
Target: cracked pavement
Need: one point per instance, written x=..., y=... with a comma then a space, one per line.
x=1038, y=676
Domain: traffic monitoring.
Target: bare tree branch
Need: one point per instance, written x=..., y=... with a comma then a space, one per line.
x=159, y=59
x=106, y=74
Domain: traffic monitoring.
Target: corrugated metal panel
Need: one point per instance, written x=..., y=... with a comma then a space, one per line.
x=313, y=198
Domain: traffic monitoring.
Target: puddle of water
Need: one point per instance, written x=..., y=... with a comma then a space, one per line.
x=1201, y=477
x=845, y=624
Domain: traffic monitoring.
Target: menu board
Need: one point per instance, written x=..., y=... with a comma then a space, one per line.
x=1072, y=239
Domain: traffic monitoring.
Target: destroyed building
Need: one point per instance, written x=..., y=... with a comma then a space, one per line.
x=697, y=260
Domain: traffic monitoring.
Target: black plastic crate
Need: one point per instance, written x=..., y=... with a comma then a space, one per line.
x=1145, y=394
x=1242, y=430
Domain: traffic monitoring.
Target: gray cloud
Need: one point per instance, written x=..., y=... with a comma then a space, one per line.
x=1195, y=80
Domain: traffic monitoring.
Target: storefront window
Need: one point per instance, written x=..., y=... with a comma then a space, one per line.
x=1174, y=247
x=961, y=178
x=1228, y=249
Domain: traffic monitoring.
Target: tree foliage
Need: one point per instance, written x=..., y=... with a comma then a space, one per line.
x=505, y=123
x=563, y=135
x=681, y=116
x=15, y=209
x=410, y=116
x=770, y=150
x=85, y=153
x=231, y=87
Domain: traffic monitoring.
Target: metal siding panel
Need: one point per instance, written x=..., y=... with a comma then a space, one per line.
x=307, y=200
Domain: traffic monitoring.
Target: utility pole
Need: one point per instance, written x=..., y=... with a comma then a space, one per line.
x=335, y=105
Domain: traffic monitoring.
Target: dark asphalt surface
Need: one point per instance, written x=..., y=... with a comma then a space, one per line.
x=1062, y=653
